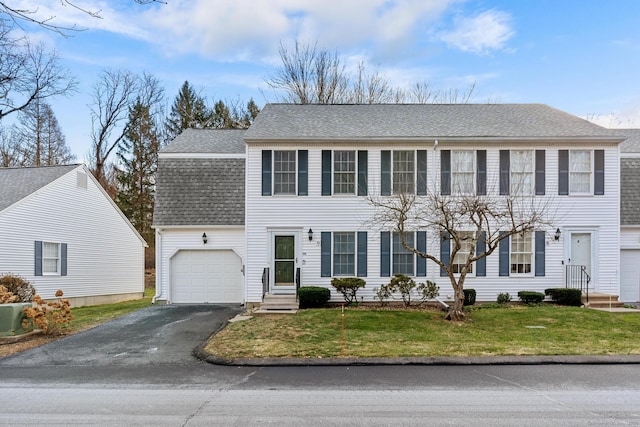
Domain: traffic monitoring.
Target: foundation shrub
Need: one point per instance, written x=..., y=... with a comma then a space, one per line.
x=313, y=296
x=565, y=296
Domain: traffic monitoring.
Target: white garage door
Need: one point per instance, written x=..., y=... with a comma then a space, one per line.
x=629, y=275
x=206, y=277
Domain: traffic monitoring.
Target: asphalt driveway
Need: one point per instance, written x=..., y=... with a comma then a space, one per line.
x=160, y=334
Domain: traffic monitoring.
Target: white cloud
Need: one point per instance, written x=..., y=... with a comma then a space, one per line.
x=487, y=31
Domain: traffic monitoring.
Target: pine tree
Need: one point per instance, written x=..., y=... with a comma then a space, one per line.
x=189, y=110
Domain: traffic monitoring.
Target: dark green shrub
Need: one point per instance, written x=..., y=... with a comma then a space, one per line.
x=313, y=296
x=565, y=296
x=503, y=298
x=348, y=287
x=469, y=296
x=531, y=297
x=23, y=290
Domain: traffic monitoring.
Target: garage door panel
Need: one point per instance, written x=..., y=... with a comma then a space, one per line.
x=206, y=277
x=630, y=275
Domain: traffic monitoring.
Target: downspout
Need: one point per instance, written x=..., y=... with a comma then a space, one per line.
x=158, y=265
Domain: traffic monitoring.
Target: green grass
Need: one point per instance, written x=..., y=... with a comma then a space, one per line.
x=397, y=333
x=86, y=317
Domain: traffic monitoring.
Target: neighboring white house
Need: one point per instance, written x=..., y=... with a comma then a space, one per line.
x=59, y=229
x=630, y=216
x=311, y=169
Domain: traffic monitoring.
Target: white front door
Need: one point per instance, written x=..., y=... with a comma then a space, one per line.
x=581, y=250
x=284, y=263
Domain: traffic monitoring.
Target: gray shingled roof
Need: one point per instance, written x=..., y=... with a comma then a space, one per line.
x=18, y=183
x=632, y=143
x=224, y=141
x=377, y=121
x=630, y=191
x=199, y=192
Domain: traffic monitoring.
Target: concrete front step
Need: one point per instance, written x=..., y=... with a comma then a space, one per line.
x=598, y=300
x=278, y=303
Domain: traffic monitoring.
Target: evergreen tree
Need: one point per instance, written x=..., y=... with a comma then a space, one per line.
x=189, y=110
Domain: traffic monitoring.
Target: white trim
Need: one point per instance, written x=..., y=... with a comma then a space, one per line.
x=202, y=156
x=283, y=231
x=593, y=231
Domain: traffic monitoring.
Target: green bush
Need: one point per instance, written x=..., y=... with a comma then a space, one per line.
x=313, y=296
x=531, y=297
x=565, y=296
x=18, y=286
x=348, y=287
x=503, y=298
x=469, y=296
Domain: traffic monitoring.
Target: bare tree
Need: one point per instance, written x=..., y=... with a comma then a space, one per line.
x=461, y=221
x=10, y=150
x=28, y=74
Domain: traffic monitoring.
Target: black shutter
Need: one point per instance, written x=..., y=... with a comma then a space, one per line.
x=505, y=172
x=362, y=253
x=563, y=172
x=598, y=179
x=37, y=258
x=421, y=246
x=326, y=172
x=540, y=253
x=363, y=173
x=63, y=259
x=445, y=250
x=325, y=254
x=303, y=172
x=503, y=251
x=481, y=247
x=385, y=173
x=445, y=172
x=266, y=172
x=481, y=173
x=421, y=184
x=540, y=173
x=385, y=254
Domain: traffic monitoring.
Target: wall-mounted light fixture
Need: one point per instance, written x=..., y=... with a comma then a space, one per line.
x=557, y=235
x=310, y=233
x=204, y=238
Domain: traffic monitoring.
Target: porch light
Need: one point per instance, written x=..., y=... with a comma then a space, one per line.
x=204, y=238
x=557, y=235
x=310, y=233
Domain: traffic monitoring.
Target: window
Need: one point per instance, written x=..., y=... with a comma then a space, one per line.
x=461, y=257
x=521, y=253
x=579, y=171
x=402, y=257
x=50, y=258
x=462, y=171
x=403, y=172
x=284, y=172
x=522, y=172
x=344, y=249
x=344, y=172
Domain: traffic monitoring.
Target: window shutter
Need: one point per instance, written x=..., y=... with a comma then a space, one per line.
x=385, y=254
x=362, y=253
x=326, y=172
x=363, y=173
x=481, y=172
x=540, y=249
x=385, y=173
x=445, y=250
x=37, y=258
x=540, y=173
x=63, y=259
x=325, y=254
x=563, y=172
x=421, y=246
x=421, y=185
x=481, y=247
x=598, y=178
x=505, y=170
x=503, y=251
x=303, y=172
x=266, y=172
x=445, y=172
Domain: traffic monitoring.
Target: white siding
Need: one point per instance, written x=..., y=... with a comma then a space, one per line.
x=105, y=255
x=169, y=241
x=599, y=214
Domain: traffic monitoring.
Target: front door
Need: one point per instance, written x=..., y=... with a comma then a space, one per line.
x=284, y=263
x=581, y=251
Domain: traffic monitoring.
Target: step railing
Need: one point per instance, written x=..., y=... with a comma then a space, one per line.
x=576, y=277
x=265, y=281
x=297, y=281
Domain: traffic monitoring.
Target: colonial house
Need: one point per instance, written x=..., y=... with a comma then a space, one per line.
x=59, y=229
x=288, y=201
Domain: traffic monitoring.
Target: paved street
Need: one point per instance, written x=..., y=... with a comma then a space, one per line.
x=138, y=370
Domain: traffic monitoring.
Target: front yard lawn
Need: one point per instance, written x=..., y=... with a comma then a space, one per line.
x=518, y=330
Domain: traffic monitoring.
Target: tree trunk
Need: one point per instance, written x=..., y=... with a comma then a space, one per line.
x=456, y=310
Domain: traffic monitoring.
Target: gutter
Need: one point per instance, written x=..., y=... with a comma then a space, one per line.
x=158, y=263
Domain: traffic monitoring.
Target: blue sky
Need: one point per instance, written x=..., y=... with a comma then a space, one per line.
x=581, y=56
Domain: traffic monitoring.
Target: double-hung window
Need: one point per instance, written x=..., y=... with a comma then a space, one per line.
x=522, y=172
x=462, y=171
x=466, y=249
x=579, y=171
x=521, y=253
x=402, y=258
x=344, y=253
x=344, y=172
x=284, y=172
x=50, y=258
x=403, y=172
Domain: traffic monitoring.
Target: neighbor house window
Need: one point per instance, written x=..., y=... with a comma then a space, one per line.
x=344, y=254
x=462, y=171
x=344, y=172
x=580, y=171
x=284, y=172
x=50, y=258
x=466, y=249
x=522, y=172
x=403, y=172
x=521, y=253
x=403, y=258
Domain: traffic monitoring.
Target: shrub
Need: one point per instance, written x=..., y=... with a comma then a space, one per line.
x=18, y=286
x=531, y=297
x=404, y=285
x=348, y=287
x=503, y=298
x=382, y=294
x=52, y=317
x=313, y=296
x=428, y=290
x=469, y=296
x=565, y=296
x=6, y=297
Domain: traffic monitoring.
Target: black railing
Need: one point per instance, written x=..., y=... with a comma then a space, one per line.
x=297, y=281
x=576, y=277
x=265, y=281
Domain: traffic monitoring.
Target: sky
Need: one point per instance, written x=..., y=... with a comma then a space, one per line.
x=581, y=56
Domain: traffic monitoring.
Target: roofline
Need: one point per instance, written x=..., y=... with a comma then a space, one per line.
x=187, y=155
x=192, y=227
x=430, y=139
